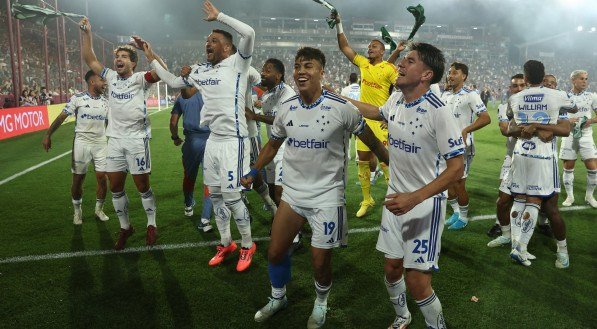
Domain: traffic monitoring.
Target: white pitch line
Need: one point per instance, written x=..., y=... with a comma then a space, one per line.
x=65, y=255
x=6, y=180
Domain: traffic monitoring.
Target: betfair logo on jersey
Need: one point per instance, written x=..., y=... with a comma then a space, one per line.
x=404, y=146
x=529, y=146
x=122, y=95
x=534, y=98
x=209, y=82
x=452, y=142
x=93, y=117
x=307, y=144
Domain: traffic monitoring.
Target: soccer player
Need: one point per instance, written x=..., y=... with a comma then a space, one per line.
x=315, y=126
x=581, y=141
x=550, y=81
x=422, y=131
x=90, y=110
x=129, y=132
x=534, y=167
x=193, y=150
x=377, y=79
x=465, y=104
x=222, y=82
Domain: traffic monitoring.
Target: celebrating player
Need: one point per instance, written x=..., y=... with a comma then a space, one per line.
x=581, y=141
x=377, y=78
x=222, y=82
x=422, y=130
x=129, y=132
x=464, y=104
x=315, y=126
x=90, y=110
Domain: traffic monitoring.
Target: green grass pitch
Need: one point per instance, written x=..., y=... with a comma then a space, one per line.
x=175, y=288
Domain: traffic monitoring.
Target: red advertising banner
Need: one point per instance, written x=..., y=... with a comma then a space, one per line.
x=20, y=120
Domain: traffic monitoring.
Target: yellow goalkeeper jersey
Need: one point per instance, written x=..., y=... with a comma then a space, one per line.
x=375, y=80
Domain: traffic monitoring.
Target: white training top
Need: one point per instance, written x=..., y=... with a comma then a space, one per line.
x=272, y=101
x=222, y=85
x=464, y=104
x=90, y=114
x=253, y=79
x=314, y=161
x=538, y=105
x=127, y=108
x=502, y=115
x=352, y=91
x=420, y=134
x=586, y=103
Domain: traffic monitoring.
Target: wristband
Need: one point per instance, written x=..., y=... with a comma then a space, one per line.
x=339, y=28
x=253, y=173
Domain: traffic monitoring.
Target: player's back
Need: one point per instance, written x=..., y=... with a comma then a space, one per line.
x=223, y=87
x=191, y=114
x=352, y=91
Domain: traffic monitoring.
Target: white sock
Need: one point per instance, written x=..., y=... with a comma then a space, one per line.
x=263, y=191
x=506, y=233
x=397, y=292
x=121, y=206
x=371, y=175
x=562, y=246
x=591, y=182
x=464, y=213
x=497, y=222
x=541, y=219
x=432, y=311
x=278, y=293
x=454, y=204
x=568, y=178
x=241, y=217
x=99, y=205
x=528, y=221
x=77, y=205
x=222, y=215
x=515, y=224
x=148, y=201
x=322, y=293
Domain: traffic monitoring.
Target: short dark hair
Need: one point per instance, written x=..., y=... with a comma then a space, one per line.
x=517, y=76
x=278, y=66
x=311, y=53
x=380, y=42
x=353, y=78
x=549, y=75
x=88, y=75
x=460, y=67
x=129, y=49
x=534, y=71
x=226, y=34
x=432, y=57
x=233, y=49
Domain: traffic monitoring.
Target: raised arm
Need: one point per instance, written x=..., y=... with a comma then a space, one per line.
x=247, y=34
x=396, y=53
x=87, y=48
x=343, y=42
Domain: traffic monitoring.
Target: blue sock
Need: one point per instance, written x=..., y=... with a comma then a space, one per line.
x=206, y=211
x=279, y=274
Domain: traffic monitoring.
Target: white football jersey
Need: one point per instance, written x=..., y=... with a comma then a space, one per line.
x=315, y=161
x=538, y=105
x=272, y=101
x=254, y=79
x=420, y=134
x=464, y=104
x=352, y=91
x=502, y=115
x=127, y=109
x=90, y=114
x=586, y=103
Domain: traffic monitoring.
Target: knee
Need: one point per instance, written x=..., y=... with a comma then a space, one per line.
x=275, y=256
x=393, y=270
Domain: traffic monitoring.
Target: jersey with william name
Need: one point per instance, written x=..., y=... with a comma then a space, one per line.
x=127, y=107
x=315, y=160
x=90, y=114
x=421, y=134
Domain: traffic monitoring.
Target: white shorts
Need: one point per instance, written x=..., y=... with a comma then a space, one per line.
x=255, y=147
x=534, y=177
x=129, y=154
x=329, y=225
x=584, y=145
x=225, y=162
x=84, y=153
x=469, y=154
x=273, y=170
x=505, y=177
x=414, y=237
